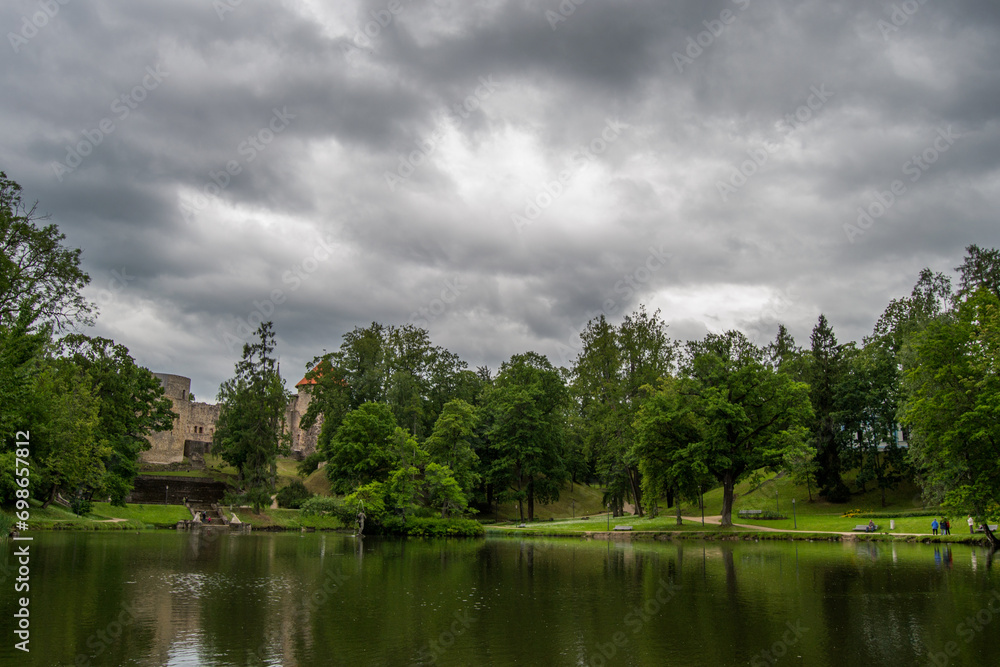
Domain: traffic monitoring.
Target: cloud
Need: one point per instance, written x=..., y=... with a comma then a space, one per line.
x=213, y=213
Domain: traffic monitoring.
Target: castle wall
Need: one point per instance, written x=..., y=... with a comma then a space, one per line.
x=303, y=442
x=196, y=422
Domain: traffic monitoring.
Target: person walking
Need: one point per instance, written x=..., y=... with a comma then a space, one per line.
x=934, y=527
x=972, y=529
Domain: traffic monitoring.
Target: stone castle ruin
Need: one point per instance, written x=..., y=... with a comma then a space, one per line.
x=191, y=436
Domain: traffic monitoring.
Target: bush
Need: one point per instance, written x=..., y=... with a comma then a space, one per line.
x=310, y=464
x=764, y=514
x=80, y=506
x=293, y=495
x=322, y=505
x=442, y=528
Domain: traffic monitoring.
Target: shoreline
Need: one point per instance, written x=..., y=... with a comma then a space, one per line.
x=742, y=535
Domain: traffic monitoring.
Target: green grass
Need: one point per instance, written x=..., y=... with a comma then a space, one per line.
x=55, y=517
x=286, y=519
x=318, y=483
x=157, y=515
x=578, y=499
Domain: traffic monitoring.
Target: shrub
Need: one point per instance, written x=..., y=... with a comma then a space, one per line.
x=310, y=464
x=80, y=506
x=293, y=495
x=322, y=505
x=443, y=528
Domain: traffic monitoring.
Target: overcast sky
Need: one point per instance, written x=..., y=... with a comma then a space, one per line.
x=499, y=172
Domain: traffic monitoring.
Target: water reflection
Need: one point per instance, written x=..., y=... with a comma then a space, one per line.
x=326, y=599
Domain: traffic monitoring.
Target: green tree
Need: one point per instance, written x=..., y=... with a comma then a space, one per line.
x=728, y=415
x=39, y=277
x=451, y=442
x=952, y=405
x=669, y=427
x=250, y=432
x=526, y=431
x=397, y=366
x=67, y=450
x=608, y=375
x=824, y=373
x=132, y=406
x=40, y=293
x=869, y=398
x=360, y=452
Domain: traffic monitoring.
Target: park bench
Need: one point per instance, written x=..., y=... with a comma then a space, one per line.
x=750, y=512
x=993, y=529
x=623, y=527
x=864, y=528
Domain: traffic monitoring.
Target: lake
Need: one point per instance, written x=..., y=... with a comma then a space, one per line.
x=165, y=598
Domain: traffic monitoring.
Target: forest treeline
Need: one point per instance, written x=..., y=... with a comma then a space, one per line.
x=407, y=429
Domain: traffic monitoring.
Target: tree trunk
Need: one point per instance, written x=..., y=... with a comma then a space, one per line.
x=994, y=542
x=680, y=521
x=728, y=486
x=52, y=496
x=635, y=482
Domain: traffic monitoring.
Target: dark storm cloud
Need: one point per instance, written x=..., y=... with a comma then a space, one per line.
x=707, y=158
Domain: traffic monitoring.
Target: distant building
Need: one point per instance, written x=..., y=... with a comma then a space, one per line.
x=191, y=436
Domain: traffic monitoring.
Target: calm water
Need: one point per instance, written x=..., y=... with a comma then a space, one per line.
x=324, y=599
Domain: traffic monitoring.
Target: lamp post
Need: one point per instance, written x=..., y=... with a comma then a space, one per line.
x=795, y=523
x=701, y=501
x=609, y=517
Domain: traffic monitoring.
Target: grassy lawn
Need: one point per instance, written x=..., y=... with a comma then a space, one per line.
x=157, y=515
x=288, y=519
x=318, y=483
x=574, y=499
